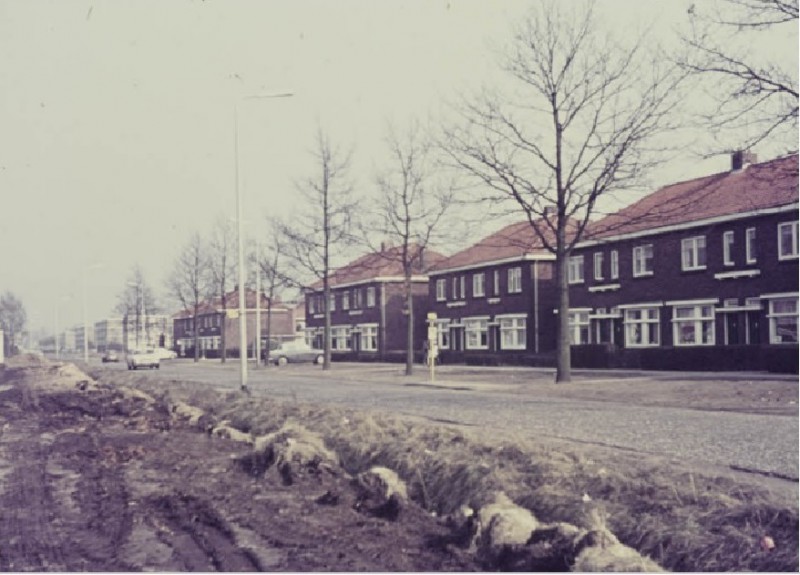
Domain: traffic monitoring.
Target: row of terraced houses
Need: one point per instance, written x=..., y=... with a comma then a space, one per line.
x=699, y=275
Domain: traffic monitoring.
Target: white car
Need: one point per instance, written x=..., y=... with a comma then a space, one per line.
x=295, y=352
x=164, y=353
x=148, y=358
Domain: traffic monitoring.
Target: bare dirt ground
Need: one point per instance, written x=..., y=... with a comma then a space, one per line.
x=105, y=476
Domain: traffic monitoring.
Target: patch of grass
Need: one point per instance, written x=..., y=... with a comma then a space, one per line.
x=683, y=519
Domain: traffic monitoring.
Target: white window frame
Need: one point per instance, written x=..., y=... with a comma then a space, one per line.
x=479, y=284
x=579, y=326
x=345, y=300
x=575, y=269
x=750, y=245
x=443, y=333
x=642, y=256
x=371, y=296
x=701, y=322
x=792, y=253
x=614, y=264
x=776, y=316
x=333, y=301
x=598, y=266
x=727, y=248
x=648, y=317
x=692, y=251
x=477, y=328
x=463, y=283
x=441, y=289
x=515, y=280
x=358, y=298
x=311, y=309
x=496, y=282
x=369, y=336
x=513, y=331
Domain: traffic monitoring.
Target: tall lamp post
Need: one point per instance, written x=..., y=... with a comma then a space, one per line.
x=240, y=233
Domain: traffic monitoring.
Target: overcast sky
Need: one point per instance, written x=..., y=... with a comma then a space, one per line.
x=116, y=118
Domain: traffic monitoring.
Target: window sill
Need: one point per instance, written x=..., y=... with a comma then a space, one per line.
x=493, y=300
x=607, y=287
x=643, y=275
x=456, y=304
x=690, y=270
x=737, y=274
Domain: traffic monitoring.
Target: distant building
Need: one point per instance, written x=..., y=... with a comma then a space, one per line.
x=279, y=321
x=152, y=331
x=79, y=336
x=369, y=316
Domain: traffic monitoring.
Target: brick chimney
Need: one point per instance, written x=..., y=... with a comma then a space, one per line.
x=741, y=158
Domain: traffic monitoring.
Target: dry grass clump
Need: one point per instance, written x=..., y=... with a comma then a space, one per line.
x=685, y=521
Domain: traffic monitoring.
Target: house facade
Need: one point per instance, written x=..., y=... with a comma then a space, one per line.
x=493, y=302
x=699, y=275
x=369, y=320
x=279, y=321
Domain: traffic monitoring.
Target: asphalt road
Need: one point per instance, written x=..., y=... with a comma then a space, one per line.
x=765, y=444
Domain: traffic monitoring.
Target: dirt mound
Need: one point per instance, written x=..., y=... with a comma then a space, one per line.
x=96, y=476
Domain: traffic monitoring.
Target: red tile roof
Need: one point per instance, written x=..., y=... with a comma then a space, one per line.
x=759, y=186
x=386, y=263
x=214, y=304
x=514, y=241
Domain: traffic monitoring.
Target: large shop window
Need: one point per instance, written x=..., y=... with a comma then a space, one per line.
x=476, y=330
x=783, y=320
x=642, y=327
x=513, y=333
x=578, y=327
x=693, y=324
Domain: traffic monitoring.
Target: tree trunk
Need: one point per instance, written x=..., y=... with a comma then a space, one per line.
x=195, y=335
x=326, y=297
x=410, y=334
x=563, y=360
x=223, y=343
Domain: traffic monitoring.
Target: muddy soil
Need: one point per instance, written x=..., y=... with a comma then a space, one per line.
x=99, y=478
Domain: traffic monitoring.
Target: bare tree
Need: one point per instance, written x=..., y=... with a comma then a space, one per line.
x=754, y=94
x=581, y=124
x=12, y=320
x=222, y=264
x=271, y=264
x=320, y=231
x=410, y=209
x=189, y=282
x=137, y=299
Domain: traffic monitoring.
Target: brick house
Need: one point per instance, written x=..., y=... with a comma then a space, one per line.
x=369, y=321
x=494, y=300
x=701, y=274
x=282, y=319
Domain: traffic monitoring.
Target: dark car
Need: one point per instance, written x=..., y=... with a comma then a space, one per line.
x=110, y=356
x=295, y=352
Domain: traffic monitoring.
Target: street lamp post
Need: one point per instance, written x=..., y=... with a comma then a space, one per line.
x=240, y=230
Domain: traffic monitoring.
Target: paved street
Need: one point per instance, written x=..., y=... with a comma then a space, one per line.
x=762, y=443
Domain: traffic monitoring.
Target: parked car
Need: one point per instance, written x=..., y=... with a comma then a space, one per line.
x=110, y=356
x=295, y=352
x=143, y=358
x=164, y=353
